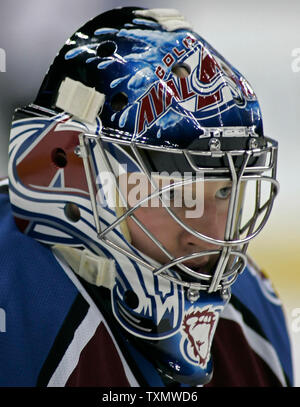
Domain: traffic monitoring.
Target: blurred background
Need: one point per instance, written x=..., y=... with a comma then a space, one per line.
x=261, y=38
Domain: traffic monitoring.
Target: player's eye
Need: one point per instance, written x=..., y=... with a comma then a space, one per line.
x=224, y=193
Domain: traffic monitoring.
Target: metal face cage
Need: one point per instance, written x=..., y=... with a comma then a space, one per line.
x=243, y=223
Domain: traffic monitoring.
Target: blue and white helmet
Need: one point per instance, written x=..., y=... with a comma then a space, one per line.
x=137, y=91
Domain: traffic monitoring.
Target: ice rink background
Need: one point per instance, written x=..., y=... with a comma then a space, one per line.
x=261, y=38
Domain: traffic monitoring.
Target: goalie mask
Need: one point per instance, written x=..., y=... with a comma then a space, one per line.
x=139, y=113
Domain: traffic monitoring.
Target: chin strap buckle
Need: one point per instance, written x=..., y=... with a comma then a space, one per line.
x=96, y=270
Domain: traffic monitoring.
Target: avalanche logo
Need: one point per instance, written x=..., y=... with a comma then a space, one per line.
x=211, y=88
x=45, y=173
x=198, y=328
x=41, y=158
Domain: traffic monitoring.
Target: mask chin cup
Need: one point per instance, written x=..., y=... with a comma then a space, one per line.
x=181, y=354
x=172, y=370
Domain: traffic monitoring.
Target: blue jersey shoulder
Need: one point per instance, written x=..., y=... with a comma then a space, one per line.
x=35, y=297
x=255, y=291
